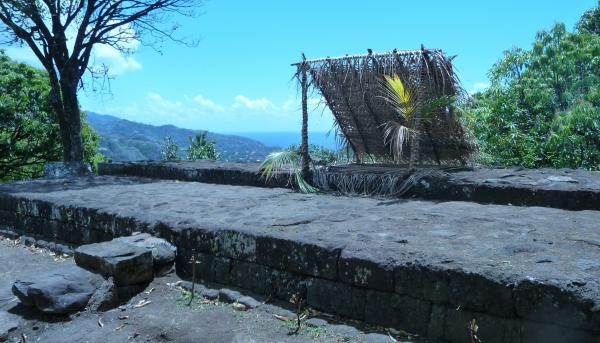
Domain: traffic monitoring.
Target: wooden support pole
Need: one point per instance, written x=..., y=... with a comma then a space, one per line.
x=304, y=148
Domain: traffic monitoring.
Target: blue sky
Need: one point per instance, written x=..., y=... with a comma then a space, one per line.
x=237, y=79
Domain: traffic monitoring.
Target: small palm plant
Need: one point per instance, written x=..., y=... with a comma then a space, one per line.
x=286, y=161
x=414, y=108
x=200, y=148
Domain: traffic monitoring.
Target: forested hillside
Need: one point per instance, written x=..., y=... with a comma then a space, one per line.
x=124, y=140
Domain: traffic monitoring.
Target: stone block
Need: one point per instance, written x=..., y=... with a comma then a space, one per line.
x=451, y=324
x=398, y=311
x=8, y=218
x=557, y=302
x=250, y=276
x=58, y=291
x=249, y=302
x=204, y=266
x=30, y=225
x=201, y=238
x=99, y=236
x=311, y=258
x=9, y=203
x=163, y=252
x=105, y=298
x=480, y=291
x=336, y=297
x=236, y=244
x=422, y=281
x=284, y=284
x=221, y=270
x=228, y=295
x=210, y=294
x=126, y=263
x=65, y=169
x=368, y=267
x=534, y=332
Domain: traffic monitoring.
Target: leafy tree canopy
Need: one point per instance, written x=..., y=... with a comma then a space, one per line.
x=542, y=108
x=63, y=33
x=29, y=133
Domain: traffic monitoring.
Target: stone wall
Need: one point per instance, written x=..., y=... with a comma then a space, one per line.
x=544, y=188
x=420, y=294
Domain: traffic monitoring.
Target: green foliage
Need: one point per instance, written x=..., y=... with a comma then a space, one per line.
x=170, y=149
x=541, y=109
x=91, y=143
x=316, y=152
x=412, y=110
x=288, y=161
x=590, y=21
x=200, y=148
x=29, y=133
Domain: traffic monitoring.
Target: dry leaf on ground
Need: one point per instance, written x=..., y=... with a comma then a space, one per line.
x=141, y=303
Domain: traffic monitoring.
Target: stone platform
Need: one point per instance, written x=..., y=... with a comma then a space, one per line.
x=526, y=274
x=558, y=188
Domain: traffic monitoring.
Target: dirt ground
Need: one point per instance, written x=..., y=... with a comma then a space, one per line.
x=167, y=318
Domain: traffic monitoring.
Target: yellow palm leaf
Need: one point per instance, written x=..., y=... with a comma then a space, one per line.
x=400, y=96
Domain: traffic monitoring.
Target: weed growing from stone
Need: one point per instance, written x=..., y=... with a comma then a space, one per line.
x=194, y=301
x=473, y=331
x=296, y=300
x=193, y=262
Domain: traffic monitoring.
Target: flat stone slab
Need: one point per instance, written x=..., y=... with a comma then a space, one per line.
x=578, y=189
x=126, y=263
x=521, y=264
x=58, y=291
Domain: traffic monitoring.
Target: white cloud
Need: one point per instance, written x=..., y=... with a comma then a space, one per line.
x=209, y=104
x=241, y=115
x=115, y=61
x=260, y=104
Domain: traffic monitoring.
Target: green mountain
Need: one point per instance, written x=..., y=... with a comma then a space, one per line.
x=124, y=140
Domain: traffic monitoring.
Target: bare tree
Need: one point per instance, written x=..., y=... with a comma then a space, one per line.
x=62, y=33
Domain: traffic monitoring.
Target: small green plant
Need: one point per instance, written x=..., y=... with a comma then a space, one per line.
x=193, y=262
x=170, y=149
x=215, y=249
x=296, y=300
x=473, y=331
x=289, y=161
x=413, y=110
x=200, y=148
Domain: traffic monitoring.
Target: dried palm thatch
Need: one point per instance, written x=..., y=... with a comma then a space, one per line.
x=375, y=179
x=352, y=88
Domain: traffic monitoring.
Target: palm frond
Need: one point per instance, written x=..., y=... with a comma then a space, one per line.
x=304, y=186
x=279, y=161
x=290, y=162
x=400, y=95
x=396, y=135
x=441, y=101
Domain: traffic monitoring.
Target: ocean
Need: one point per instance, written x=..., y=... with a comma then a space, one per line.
x=285, y=139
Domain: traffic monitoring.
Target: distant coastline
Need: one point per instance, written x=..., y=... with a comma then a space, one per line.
x=285, y=139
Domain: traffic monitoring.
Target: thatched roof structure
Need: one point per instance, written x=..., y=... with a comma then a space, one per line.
x=351, y=87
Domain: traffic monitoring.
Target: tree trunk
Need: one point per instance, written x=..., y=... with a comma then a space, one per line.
x=304, y=148
x=415, y=149
x=73, y=118
x=63, y=98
